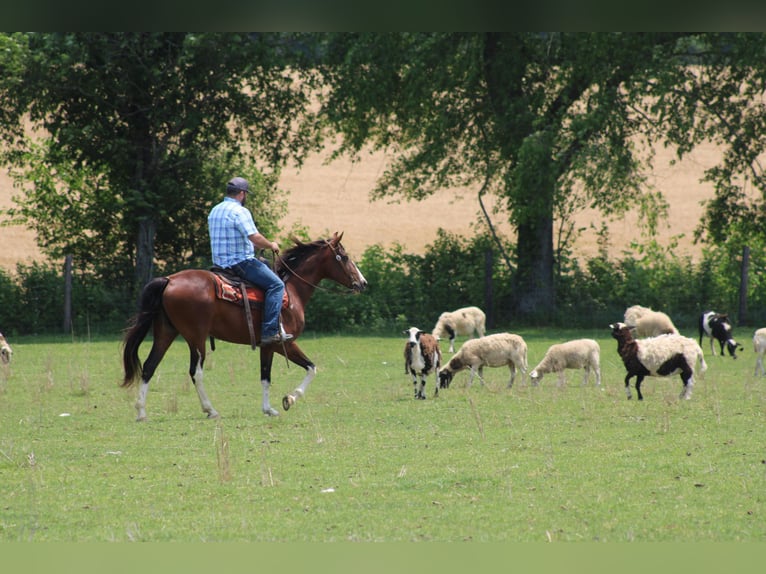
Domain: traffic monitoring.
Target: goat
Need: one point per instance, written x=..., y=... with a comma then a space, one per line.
x=717, y=326
x=421, y=356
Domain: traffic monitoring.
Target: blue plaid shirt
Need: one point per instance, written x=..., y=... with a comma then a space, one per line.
x=229, y=225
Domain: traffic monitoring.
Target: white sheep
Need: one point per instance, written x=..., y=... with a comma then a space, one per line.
x=463, y=321
x=759, y=345
x=578, y=354
x=658, y=356
x=498, y=350
x=649, y=323
x=421, y=356
x=5, y=350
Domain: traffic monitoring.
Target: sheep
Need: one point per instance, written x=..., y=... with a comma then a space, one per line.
x=759, y=345
x=658, y=356
x=632, y=314
x=577, y=354
x=463, y=321
x=491, y=351
x=5, y=350
x=421, y=356
x=649, y=323
x=717, y=326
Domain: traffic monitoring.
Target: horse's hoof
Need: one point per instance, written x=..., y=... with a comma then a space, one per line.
x=270, y=412
x=141, y=419
x=287, y=402
x=213, y=415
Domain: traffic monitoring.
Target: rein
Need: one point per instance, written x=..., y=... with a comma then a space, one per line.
x=347, y=291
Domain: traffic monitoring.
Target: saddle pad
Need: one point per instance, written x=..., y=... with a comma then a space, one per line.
x=224, y=289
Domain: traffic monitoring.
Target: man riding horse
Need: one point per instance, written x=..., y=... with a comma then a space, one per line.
x=233, y=240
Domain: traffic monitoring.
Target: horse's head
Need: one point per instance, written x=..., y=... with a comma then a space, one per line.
x=321, y=259
x=346, y=271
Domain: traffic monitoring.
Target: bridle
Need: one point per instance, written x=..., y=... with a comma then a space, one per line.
x=338, y=257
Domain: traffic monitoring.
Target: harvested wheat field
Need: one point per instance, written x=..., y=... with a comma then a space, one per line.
x=335, y=197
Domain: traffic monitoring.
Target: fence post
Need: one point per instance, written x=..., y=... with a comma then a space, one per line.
x=743, y=281
x=489, y=298
x=67, y=294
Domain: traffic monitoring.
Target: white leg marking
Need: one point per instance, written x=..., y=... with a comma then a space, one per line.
x=300, y=391
x=207, y=406
x=266, y=404
x=141, y=401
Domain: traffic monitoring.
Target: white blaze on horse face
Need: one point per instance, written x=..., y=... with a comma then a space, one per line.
x=361, y=276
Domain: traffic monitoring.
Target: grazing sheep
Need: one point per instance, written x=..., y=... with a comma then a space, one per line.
x=5, y=350
x=421, y=356
x=460, y=322
x=717, y=326
x=658, y=356
x=495, y=350
x=759, y=344
x=634, y=313
x=649, y=323
x=577, y=354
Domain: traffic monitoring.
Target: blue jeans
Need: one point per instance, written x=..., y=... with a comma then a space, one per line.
x=261, y=275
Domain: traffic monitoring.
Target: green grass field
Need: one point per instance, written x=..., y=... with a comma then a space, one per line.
x=358, y=459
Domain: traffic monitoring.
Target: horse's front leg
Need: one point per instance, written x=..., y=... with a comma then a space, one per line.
x=296, y=355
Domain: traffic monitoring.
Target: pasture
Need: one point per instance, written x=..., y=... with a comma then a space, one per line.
x=360, y=460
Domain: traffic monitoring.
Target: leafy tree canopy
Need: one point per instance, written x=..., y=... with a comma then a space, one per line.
x=137, y=133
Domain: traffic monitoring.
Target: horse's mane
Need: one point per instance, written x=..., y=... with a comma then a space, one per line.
x=296, y=255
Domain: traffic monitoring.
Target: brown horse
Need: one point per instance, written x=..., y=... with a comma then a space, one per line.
x=185, y=304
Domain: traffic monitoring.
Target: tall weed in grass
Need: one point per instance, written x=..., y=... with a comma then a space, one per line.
x=358, y=459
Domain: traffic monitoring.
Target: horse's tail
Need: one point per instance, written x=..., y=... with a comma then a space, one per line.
x=148, y=308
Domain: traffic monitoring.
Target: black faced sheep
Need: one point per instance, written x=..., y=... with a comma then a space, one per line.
x=759, y=345
x=649, y=323
x=421, y=356
x=5, y=350
x=658, y=356
x=463, y=321
x=577, y=354
x=498, y=350
x=717, y=326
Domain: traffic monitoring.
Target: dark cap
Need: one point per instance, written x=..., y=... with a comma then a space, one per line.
x=237, y=184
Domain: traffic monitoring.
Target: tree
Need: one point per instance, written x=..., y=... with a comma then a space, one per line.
x=541, y=119
x=137, y=134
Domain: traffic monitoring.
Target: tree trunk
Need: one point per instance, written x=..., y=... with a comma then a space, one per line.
x=147, y=231
x=743, y=281
x=533, y=185
x=536, y=295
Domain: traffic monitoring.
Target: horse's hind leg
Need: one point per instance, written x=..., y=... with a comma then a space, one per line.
x=196, y=361
x=162, y=340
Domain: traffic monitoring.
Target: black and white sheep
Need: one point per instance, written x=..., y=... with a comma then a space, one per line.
x=463, y=321
x=5, y=350
x=660, y=356
x=759, y=345
x=421, y=357
x=649, y=323
x=498, y=350
x=718, y=327
x=578, y=354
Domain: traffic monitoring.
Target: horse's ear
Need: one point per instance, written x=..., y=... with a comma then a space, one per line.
x=337, y=237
